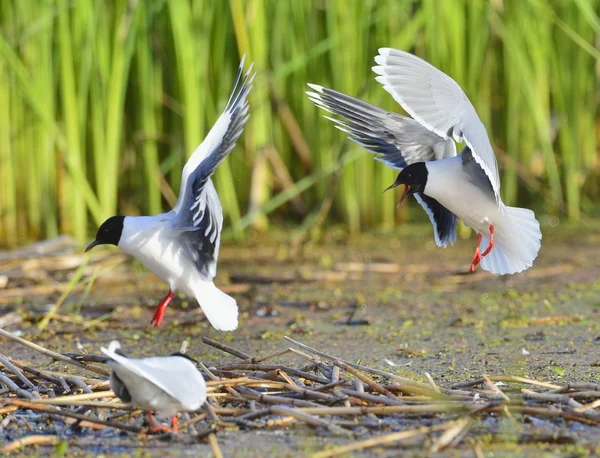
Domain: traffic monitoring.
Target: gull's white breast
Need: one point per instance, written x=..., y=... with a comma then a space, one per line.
x=455, y=189
x=154, y=243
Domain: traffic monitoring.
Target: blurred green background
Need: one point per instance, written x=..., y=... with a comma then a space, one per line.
x=101, y=102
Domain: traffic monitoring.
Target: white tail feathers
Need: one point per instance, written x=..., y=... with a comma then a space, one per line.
x=220, y=309
x=517, y=241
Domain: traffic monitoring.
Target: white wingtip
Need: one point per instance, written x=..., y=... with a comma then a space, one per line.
x=378, y=69
x=382, y=79
x=316, y=87
x=319, y=103
x=342, y=129
x=242, y=61
x=250, y=70
x=385, y=51
x=339, y=124
x=354, y=138
x=380, y=60
x=251, y=80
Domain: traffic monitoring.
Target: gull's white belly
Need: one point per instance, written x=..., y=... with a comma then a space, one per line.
x=453, y=188
x=472, y=206
x=161, y=253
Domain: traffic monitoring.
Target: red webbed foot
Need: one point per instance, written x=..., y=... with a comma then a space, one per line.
x=156, y=427
x=491, y=245
x=477, y=256
x=161, y=308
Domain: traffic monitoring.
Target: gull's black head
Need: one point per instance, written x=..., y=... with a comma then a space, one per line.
x=414, y=177
x=109, y=233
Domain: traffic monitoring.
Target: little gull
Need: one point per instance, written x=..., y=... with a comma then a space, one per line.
x=163, y=384
x=182, y=246
x=448, y=186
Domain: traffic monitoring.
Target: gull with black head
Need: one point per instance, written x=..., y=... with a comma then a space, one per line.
x=448, y=186
x=182, y=246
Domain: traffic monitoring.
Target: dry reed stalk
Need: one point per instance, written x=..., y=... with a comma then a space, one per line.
x=58, y=412
x=382, y=440
x=193, y=420
x=8, y=409
x=432, y=383
x=212, y=440
x=508, y=378
x=216, y=382
x=15, y=370
x=99, y=404
x=453, y=435
x=29, y=440
x=225, y=348
x=77, y=397
x=256, y=394
x=403, y=380
x=386, y=410
x=478, y=450
x=590, y=406
x=14, y=388
x=308, y=418
x=52, y=354
x=347, y=367
x=207, y=371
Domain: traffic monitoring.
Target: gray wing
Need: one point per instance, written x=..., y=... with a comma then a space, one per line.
x=397, y=140
x=201, y=241
x=437, y=102
x=119, y=387
x=476, y=174
x=198, y=213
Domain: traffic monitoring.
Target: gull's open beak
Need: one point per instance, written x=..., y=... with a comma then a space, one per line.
x=404, y=194
x=393, y=185
x=92, y=245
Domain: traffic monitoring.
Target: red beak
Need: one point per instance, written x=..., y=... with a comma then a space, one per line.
x=404, y=194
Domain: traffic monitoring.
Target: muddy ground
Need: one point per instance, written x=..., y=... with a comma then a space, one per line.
x=380, y=298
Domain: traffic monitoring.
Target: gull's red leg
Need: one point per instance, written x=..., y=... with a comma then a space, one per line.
x=174, y=424
x=156, y=428
x=491, y=245
x=477, y=257
x=160, y=309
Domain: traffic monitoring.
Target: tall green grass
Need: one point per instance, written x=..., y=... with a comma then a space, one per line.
x=101, y=103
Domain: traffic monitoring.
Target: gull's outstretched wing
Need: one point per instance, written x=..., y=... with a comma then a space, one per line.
x=198, y=215
x=437, y=102
x=397, y=140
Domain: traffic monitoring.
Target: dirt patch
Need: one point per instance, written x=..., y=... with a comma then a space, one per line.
x=388, y=301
